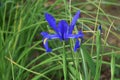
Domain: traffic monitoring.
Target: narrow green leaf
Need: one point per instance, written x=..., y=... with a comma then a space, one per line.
x=112, y=65
x=88, y=59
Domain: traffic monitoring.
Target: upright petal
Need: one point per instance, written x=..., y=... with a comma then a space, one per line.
x=77, y=45
x=51, y=21
x=74, y=20
x=63, y=29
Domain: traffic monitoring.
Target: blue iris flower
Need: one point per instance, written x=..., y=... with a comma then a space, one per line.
x=63, y=31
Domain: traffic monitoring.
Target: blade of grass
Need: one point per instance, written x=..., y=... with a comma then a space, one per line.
x=26, y=68
x=64, y=57
x=89, y=60
x=96, y=21
x=84, y=64
x=98, y=59
x=112, y=65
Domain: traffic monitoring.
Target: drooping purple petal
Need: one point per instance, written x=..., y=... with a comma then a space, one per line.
x=77, y=45
x=49, y=36
x=63, y=29
x=44, y=34
x=79, y=35
x=74, y=20
x=45, y=43
x=51, y=21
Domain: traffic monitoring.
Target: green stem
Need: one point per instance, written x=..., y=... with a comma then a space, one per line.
x=64, y=62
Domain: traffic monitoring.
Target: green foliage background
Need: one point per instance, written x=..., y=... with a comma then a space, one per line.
x=22, y=56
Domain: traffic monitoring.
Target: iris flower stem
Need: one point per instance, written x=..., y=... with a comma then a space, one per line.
x=64, y=62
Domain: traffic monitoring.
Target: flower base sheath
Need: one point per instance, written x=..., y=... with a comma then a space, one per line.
x=63, y=31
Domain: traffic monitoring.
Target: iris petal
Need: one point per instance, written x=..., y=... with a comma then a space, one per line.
x=79, y=35
x=51, y=21
x=45, y=43
x=75, y=18
x=44, y=34
x=63, y=28
x=49, y=36
x=77, y=45
x=46, y=38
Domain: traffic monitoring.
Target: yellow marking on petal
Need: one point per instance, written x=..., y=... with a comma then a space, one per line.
x=44, y=41
x=51, y=31
x=79, y=39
